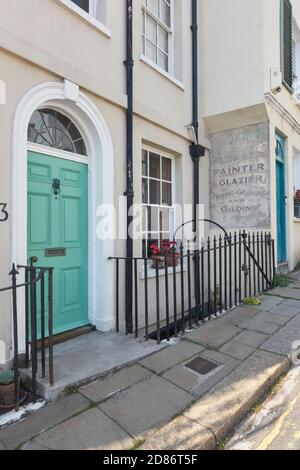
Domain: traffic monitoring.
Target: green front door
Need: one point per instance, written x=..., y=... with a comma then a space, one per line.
x=58, y=233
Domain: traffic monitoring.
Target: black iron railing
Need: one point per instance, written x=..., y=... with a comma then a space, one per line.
x=183, y=290
x=38, y=306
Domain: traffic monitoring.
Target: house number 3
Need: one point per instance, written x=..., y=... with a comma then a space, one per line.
x=3, y=212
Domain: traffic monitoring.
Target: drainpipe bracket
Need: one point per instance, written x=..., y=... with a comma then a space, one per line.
x=128, y=63
x=129, y=193
x=197, y=151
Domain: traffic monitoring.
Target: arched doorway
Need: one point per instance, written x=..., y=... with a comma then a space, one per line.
x=66, y=99
x=57, y=212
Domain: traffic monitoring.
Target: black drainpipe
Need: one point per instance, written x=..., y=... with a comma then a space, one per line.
x=196, y=150
x=129, y=160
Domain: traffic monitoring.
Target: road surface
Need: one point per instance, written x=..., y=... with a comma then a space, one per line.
x=275, y=424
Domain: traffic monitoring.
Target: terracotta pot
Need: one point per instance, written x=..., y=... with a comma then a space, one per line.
x=158, y=262
x=172, y=260
x=7, y=394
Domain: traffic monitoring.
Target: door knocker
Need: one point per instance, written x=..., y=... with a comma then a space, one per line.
x=56, y=187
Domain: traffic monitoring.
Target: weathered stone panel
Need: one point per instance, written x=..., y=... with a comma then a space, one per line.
x=240, y=177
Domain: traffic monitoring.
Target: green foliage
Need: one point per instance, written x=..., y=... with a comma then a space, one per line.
x=138, y=443
x=251, y=301
x=281, y=280
x=6, y=377
x=297, y=267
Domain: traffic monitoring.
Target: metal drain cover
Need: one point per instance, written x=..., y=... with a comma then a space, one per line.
x=201, y=365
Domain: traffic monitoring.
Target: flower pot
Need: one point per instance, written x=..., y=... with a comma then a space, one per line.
x=158, y=262
x=7, y=394
x=173, y=259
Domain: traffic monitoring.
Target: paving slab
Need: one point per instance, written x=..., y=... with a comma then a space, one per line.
x=36, y=423
x=272, y=317
x=2, y=446
x=31, y=445
x=269, y=301
x=282, y=341
x=196, y=383
x=260, y=326
x=108, y=386
x=180, y=434
x=287, y=308
x=170, y=356
x=237, y=350
x=90, y=430
x=287, y=292
x=229, y=401
x=240, y=314
x=213, y=334
x=216, y=356
x=146, y=405
x=251, y=338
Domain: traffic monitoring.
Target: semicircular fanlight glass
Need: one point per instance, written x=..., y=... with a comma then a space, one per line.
x=53, y=129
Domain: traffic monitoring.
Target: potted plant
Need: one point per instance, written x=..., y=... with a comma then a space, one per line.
x=167, y=252
x=7, y=388
x=297, y=195
x=157, y=256
x=173, y=254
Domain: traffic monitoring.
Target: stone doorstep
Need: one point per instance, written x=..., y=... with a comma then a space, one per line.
x=82, y=355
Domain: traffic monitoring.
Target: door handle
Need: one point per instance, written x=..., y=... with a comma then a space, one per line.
x=33, y=260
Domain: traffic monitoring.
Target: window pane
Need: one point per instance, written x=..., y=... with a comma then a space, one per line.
x=167, y=169
x=154, y=165
x=80, y=147
x=153, y=5
x=151, y=29
x=162, y=60
x=163, y=39
x=145, y=191
x=154, y=192
x=145, y=163
x=165, y=220
x=167, y=193
x=84, y=4
x=144, y=218
x=153, y=225
x=151, y=52
x=165, y=12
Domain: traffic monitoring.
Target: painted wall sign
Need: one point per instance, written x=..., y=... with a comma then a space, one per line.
x=239, y=177
x=3, y=212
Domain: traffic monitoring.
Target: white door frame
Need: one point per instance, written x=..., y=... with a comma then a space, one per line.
x=67, y=98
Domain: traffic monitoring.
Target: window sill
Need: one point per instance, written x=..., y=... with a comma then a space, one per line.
x=91, y=20
x=165, y=74
x=151, y=273
x=297, y=220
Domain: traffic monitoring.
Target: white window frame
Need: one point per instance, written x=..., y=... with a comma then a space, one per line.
x=169, y=29
x=88, y=17
x=146, y=233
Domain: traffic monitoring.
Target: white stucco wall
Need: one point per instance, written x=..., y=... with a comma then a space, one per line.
x=53, y=43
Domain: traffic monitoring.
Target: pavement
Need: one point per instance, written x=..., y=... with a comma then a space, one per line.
x=98, y=357
x=189, y=395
